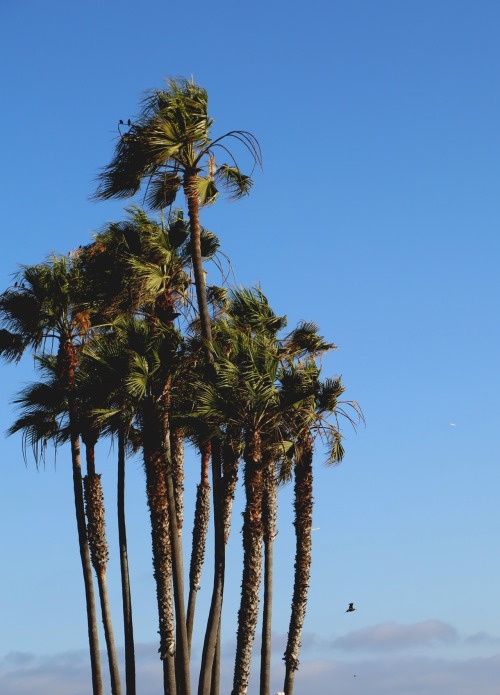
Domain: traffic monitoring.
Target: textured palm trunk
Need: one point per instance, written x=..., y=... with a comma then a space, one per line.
x=303, y=523
x=230, y=460
x=200, y=531
x=214, y=616
x=67, y=366
x=96, y=530
x=270, y=507
x=156, y=489
x=252, y=564
x=173, y=458
x=177, y=449
x=182, y=648
x=128, y=625
x=191, y=193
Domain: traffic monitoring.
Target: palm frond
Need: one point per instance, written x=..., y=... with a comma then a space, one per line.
x=236, y=183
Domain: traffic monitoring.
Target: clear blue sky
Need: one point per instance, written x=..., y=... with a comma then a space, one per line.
x=377, y=216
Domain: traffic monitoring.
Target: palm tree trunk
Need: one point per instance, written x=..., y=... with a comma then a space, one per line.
x=182, y=647
x=230, y=460
x=200, y=531
x=67, y=365
x=252, y=565
x=215, y=686
x=96, y=530
x=214, y=617
x=156, y=489
x=303, y=523
x=177, y=449
x=269, y=518
x=95, y=657
x=193, y=205
x=128, y=625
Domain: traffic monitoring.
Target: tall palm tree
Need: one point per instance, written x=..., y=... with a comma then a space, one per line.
x=244, y=396
x=101, y=391
x=317, y=410
x=143, y=263
x=39, y=309
x=170, y=148
x=131, y=351
x=44, y=416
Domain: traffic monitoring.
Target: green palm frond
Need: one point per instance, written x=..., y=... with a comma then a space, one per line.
x=209, y=243
x=232, y=180
x=162, y=190
x=207, y=190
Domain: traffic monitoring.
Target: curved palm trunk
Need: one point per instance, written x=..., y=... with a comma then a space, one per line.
x=270, y=506
x=156, y=489
x=200, y=530
x=128, y=625
x=303, y=523
x=67, y=365
x=252, y=565
x=96, y=529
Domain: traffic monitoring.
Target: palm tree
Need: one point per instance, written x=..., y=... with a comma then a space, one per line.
x=101, y=391
x=143, y=266
x=244, y=397
x=317, y=410
x=40, y=308
x=170, y=147
x=132, y=351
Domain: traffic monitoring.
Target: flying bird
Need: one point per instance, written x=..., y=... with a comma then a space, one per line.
x=351, y=608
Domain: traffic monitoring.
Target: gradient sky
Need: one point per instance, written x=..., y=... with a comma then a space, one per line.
x=376, y=215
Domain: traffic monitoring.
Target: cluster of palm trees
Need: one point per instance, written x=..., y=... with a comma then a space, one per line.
x=122, y=351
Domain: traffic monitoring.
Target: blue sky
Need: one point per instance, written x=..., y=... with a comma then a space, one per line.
x=376, y=215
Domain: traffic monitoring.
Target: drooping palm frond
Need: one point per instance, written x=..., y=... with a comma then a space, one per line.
x=171, y=137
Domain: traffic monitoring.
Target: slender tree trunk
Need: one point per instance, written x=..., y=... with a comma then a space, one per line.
x=193, y=205
x=96, y=529
x=303, y=523
x=215, y=687
x=95, y=657
x=200, y=530
x=67, y=366
x=128, y=625
x=269, y=518
x=156, y=488
x=252, y=565
x=182, y=648
x=214, y=617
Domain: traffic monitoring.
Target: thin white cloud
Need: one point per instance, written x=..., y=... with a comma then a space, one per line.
x=69, y=673
x=390, y=636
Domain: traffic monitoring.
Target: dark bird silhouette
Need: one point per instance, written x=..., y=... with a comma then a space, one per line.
x=351, y=608
x=129, y=122
x=121, y=122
